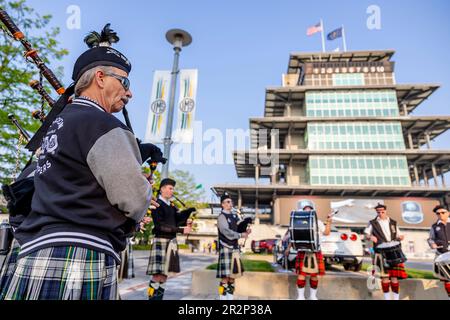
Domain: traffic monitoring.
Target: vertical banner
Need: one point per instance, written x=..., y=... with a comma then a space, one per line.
x=157, y=115
x=184, y=132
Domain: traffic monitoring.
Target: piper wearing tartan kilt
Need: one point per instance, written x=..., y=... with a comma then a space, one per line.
x=380, y=230
x=310, y=263
x=229, y=265
x=65, y=273
x=168, y=221
x=18, y=211
x=90, y=193
x=439, y=239
x=8, y=268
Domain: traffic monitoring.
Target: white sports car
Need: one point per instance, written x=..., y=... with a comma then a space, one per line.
x=344, y=248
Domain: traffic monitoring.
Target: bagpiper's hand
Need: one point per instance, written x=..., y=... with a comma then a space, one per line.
x=434, y=246
x=187, y=230
x=147, y=175
x=189, y=222
x=373, y=239
x=244, y=235
x=153, y=203
x=401, y=238
x=249, y=230
x=147, y=220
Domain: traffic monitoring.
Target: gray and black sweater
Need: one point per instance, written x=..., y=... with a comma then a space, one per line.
x=89, y=189
x=227, y=225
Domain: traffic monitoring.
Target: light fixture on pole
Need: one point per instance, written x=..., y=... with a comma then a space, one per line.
x=178, y=38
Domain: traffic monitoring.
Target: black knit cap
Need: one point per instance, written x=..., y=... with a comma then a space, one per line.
x=224, y=197
x=100, y=53
x=167, y=181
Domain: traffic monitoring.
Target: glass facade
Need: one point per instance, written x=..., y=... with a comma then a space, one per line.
x=355, y=136
x=355, y=103
x=348, y=79
x=359, y=170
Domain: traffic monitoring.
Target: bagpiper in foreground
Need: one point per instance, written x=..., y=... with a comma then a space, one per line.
x=90, y=192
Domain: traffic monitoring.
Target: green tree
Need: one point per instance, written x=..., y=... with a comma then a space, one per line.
x=16, y=96
x=186, y=189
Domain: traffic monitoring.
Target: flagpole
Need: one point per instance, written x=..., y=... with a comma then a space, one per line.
x=323, y=35
x=343, y=38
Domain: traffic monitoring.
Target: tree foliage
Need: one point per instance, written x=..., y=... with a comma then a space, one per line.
x=16, y=96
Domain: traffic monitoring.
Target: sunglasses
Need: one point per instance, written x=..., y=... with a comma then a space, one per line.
x=123, y=80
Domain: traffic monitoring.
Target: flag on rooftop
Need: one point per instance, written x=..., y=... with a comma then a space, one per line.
x=337, y=33
x=314, y=29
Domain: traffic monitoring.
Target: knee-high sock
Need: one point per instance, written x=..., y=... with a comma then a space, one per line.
x=230, y=288
x=395, y=286
x=223, y=288
x=385, y=286
x=301, y=283
x=230, y=291
x=301, y=289
x=155, y=290
x=313, y=289
x=447, y=288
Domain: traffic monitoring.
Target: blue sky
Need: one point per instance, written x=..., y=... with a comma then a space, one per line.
x=242, y=47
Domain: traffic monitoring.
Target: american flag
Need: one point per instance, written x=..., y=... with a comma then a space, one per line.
x=314, y=29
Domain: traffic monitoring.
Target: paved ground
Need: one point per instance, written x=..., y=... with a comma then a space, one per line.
x=177, y=287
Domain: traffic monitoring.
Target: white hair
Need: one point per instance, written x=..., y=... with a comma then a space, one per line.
x=87, y=77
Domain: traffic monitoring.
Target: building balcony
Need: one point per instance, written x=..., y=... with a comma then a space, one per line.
x=290, y=101
x=422, y=165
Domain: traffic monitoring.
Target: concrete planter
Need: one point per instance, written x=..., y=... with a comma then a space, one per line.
x=268, y=285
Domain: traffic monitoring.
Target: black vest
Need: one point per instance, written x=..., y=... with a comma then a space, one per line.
x=379, y=234
x=442, y=236
x=232, y=220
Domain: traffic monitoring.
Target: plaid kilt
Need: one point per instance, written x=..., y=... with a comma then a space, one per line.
x=158, y=256
x=64, y=273
x=224, y=264
x=8, y=269
x=299, y=264
x=397, y=271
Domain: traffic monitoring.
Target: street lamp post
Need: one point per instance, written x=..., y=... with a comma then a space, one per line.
x=178, y=38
